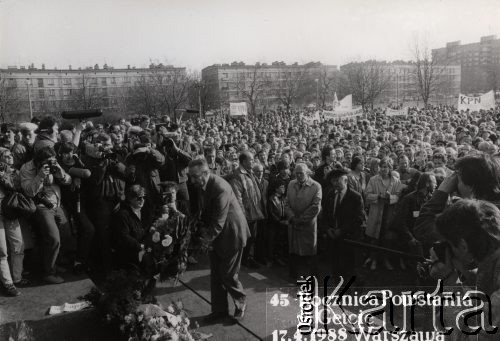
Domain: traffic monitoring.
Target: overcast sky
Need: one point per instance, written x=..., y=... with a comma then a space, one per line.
x=198, y=33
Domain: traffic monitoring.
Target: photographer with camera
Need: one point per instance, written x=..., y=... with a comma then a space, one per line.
x=71, y=199
x=101, y=194
x=40, y=179
x=11, y=238
x=476, y=176
x=471, y=251
x=143, y=167
x=176, y=163
x=47, y=133
x=23, y=150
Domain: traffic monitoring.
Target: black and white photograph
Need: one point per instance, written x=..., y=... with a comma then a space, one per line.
x=279, y=170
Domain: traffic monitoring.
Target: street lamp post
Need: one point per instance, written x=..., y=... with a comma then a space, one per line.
x=199, y=100
x=317, y=93
x=29, y=98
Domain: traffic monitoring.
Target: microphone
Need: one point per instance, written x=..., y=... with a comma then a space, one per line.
x=81, y=173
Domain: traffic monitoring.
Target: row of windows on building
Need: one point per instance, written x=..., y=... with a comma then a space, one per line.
x=59, y=104
x=42, y=93
x=102, y=81
x=90, y=81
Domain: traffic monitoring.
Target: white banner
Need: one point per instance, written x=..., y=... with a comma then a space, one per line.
x=475, y=103
x=344, y=114
x=311, y=118
x=396, y=112
x=345, y=104
x=238, y=109
x=336, y=102
x=209, y=113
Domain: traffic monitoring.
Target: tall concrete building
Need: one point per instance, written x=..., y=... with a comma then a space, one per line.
x=480, y=63
x=268, y=86
x=50, y=91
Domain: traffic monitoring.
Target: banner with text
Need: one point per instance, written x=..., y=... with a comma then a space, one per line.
x=309, y=119
x=336, y=102
x=475, y=103
x=396, y=112
x=345, y=104
x=343, y=114
x=238, y=109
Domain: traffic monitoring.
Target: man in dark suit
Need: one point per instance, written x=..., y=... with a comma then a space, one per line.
x=224, y=231
x=344, y=211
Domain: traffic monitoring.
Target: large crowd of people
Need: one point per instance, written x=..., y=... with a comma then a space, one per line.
x=294, y=190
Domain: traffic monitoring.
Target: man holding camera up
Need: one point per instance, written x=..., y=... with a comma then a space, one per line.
x=144, y=164
x=176, y=163
x=102, y=193
x=40, y=180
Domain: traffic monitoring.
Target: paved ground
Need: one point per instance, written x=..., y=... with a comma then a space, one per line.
x=194, y=291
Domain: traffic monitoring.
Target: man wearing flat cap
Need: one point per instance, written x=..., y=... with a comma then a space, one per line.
x=343, y=209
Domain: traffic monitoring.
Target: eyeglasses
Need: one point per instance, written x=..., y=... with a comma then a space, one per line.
x=140, y=198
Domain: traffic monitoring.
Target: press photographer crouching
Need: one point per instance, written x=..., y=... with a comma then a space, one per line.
x=471, y=250
x=40, y=179
x=476, y=176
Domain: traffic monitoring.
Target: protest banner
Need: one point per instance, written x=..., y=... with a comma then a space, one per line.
x=336, y=102
x=345, y=104
x=475, y=103
x=396, y=112
x=238, y=109
x=343, y=114
x=309, y=119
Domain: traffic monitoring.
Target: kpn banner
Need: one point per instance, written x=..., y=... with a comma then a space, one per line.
x=475, y=103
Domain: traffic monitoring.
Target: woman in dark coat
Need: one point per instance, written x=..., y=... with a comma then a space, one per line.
x=127, y=230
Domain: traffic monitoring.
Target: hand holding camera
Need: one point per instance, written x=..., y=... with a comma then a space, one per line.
x=44, y=171
x=170, y=145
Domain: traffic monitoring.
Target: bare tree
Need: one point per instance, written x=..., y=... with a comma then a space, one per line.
x=200, y=95
x=427, y=72
x=160, y=91
x=143, y=96
x=328, y=83
x=10, y=100
x=173, y=86
x=252, y=86
x=366, y=81
x=291, y=86
x=88, y=95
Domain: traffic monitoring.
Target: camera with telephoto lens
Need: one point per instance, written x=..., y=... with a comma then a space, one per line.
x=108, y=153
x=424, y=268
x=52, y=164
